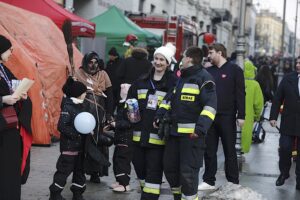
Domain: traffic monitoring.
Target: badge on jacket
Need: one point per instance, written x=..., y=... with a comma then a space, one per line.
x=152, y=102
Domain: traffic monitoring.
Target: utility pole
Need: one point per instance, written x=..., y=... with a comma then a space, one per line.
x=222, y=18
x=280, y=69
x=240, y=52
x=240, y=48
x=295, y=36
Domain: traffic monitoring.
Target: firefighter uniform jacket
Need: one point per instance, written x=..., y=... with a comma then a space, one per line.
x=193, y=103
x=143, y=132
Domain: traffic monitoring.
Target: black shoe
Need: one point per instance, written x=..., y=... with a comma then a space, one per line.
x=95, y=179
x=281, y=179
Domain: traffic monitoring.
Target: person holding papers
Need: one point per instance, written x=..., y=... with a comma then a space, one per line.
x=15, y=125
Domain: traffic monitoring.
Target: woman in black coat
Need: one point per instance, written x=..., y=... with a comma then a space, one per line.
x=10, y=139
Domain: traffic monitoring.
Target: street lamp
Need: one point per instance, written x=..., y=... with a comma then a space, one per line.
x=295, y=36
x=240, y=52
x=280, y=69
x=240, y=47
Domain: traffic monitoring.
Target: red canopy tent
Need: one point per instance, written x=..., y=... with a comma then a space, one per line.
x=80, y=26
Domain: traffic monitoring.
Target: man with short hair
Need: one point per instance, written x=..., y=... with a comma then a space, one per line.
x=230, y=86
x=288, y=95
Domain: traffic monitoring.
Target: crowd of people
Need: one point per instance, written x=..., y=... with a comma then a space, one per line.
x=178, y=123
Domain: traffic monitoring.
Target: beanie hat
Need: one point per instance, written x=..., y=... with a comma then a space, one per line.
x=73, y=88
x=167, y=51
x=113, y=52
x=5, y=44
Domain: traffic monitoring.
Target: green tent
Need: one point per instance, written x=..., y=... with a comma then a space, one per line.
x=114, y=26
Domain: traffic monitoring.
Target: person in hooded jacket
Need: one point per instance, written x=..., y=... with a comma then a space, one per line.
x=71, y=143
x=254, y=104
x=134, y=67
x=148, y=147
x=98, y=101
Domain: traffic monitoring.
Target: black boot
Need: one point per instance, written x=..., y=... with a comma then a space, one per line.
x=177, y=196
x=56, y=196
x=77, y=196
x=95, y=178
x=281, y=179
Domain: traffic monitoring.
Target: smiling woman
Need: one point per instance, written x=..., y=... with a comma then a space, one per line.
x=148, y=146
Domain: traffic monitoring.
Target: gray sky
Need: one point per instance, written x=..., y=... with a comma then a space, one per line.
x=277, y=6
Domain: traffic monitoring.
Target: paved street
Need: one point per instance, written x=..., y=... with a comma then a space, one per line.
x=259, y=173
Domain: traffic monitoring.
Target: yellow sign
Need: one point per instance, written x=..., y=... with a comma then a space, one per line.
x=187, y=98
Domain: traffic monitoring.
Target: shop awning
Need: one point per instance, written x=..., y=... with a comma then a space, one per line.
x=80, y=27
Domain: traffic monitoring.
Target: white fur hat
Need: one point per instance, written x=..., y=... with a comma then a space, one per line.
x=168, y=51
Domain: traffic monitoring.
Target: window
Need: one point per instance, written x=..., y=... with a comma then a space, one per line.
x=152, y=8
x=141, y=5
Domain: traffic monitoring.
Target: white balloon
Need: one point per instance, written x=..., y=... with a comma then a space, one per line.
x=85, y=122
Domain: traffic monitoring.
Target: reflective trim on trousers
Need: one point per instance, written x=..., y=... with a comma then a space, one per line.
x=77, y=185
x=193, y=197
x=152, y=188
x=60, y=187
x=176, y=190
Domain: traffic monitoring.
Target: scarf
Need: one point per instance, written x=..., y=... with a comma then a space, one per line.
x=99, y=82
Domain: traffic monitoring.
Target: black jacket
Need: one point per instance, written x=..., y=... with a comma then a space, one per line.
x=134, y=67
x=288, y=95
x=23, y=107
x=143, y=132
x=192, y=104
x=123, y=133
x=112, y=69
x=230, y=85
x=70, y=138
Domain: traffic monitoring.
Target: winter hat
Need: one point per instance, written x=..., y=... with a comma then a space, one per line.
x=167, y=51
x=73, y=88
x=5, y=44
x=173, y=48
x=113, y=52
x=124, y=91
